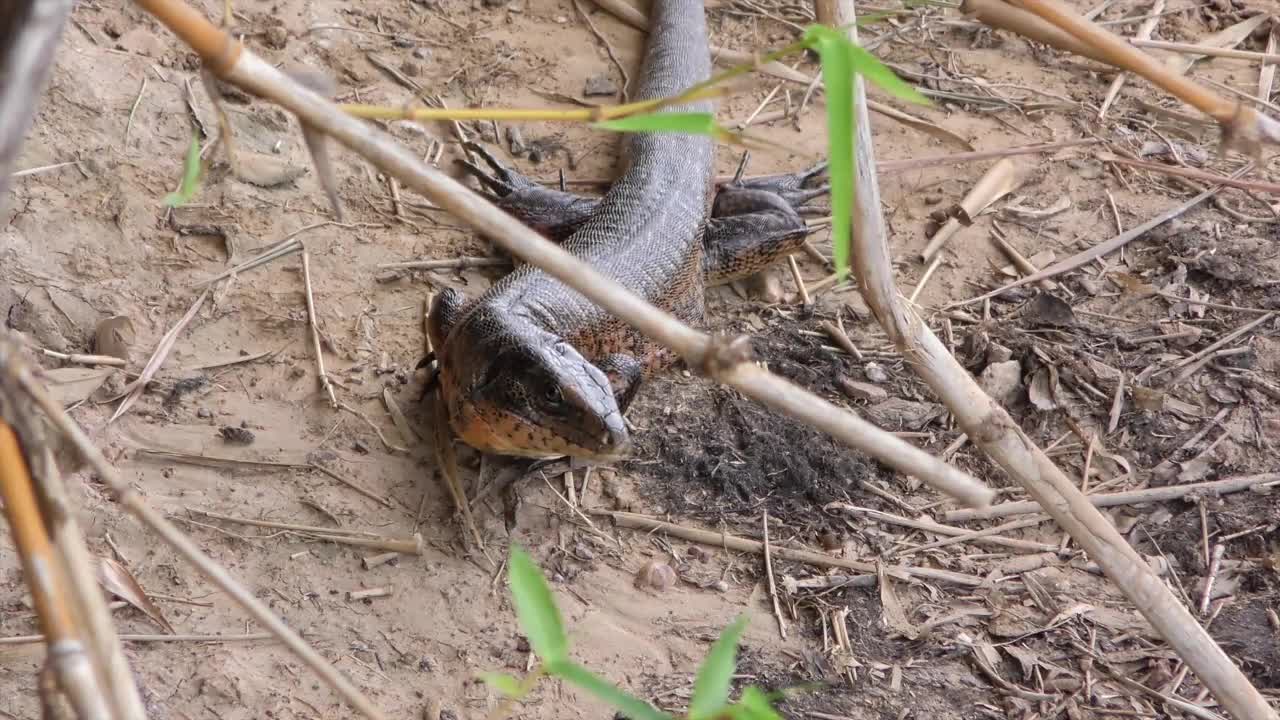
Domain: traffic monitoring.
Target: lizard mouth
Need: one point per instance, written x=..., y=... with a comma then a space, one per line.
x=495, y=430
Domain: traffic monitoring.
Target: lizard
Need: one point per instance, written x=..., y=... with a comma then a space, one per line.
x=530, y=368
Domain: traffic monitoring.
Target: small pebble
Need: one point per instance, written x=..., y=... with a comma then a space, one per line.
x=275, y=37
x=862, y=390
x=875, y=373
x=720, y=586
x=599, y=84
x=204, y=413
x=998, y=353
x=1002, y=381
x=656, y=575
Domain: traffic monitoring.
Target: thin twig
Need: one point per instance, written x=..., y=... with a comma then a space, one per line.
x=1212, y=488
x=1213, y=346
x=460, y=263
x=132, y=111
x=407, y=546
x=133, y=390
x=314, y=327
x=773, y=588
x=1214, y=564
x=608, y=47
x=80, y=359
x=729, y=542
x=1207, y=50
x=938, y=528
x=35, y=639
x=1194, y=174
x=1101, y=249
x=1144, y=32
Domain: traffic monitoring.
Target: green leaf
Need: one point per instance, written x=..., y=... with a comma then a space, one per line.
x=837, y=74
x=632, y=707
x=191, y=171
x=755, y=704
x=689, y=123
x=711, y=687
x=879, y=74
x=536, y=608
x=861, y=62
x=503, y=683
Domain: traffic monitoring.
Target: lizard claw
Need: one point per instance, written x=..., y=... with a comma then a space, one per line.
x=500, y=179
x=792, y=187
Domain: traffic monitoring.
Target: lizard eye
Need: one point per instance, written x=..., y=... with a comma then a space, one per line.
x=552, y=395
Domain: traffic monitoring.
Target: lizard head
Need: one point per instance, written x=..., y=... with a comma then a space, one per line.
x=534, y=397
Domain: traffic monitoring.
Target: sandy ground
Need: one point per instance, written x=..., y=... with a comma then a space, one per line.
x=91, y=240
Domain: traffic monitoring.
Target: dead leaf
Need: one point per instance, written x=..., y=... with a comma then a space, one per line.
x=896, y=414
x=1026, y=658
x=1197, y=468
x=893, y=616
x=1042, y=259
x=987, y=655
x=1148, y=399
x=73, y=385
x=1190, y=411
x=1227, y=38
x=1077, y=609
x=1122, y=621
x=1042, y=392
x=1051, y=310
x=406, y=430
x=1026, y=212
x=114, y=336
x=117, y=580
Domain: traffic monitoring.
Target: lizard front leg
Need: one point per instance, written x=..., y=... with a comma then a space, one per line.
x=754, y=223
x=553, y=213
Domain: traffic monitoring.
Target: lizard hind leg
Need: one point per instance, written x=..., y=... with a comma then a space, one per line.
x=554, y=213
x=750, y=229
x=797, y=188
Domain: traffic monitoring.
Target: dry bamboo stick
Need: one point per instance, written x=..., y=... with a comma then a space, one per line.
x=1243, y=127
x=1212, y=488
x=1144, y=32
x=1208, y=50
x=47, y=583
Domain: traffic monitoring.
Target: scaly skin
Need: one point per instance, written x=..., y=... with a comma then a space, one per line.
x=531, y=368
